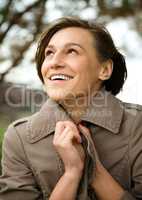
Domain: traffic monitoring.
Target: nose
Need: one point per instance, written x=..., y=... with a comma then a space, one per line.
x=57, y=61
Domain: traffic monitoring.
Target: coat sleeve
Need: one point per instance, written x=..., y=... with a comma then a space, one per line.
x=17, y=180
x=135, y=159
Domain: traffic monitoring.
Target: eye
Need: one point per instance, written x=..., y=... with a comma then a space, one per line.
x=72, y=51
x=49, y=52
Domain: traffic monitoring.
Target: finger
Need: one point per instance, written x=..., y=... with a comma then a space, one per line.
x=70, y=125
x=74, y=127
x=61, y=125
x=71, y=134
x=59, y=129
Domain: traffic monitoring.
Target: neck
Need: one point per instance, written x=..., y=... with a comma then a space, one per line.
x=76, y=107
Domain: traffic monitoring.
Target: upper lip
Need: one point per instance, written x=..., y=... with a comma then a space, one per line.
x=49, y=77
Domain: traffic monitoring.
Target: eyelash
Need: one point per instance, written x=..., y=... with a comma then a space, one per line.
x=72, y=50
x=48, y=52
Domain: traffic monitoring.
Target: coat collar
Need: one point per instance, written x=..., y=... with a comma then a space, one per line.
x=105, y=110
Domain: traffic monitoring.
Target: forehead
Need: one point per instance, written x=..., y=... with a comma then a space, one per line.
x=72, y=35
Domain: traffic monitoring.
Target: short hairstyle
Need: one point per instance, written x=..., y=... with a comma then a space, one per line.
x=104, y=46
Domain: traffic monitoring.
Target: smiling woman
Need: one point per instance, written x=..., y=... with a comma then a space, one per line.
x=83, y=138
x=65, y=67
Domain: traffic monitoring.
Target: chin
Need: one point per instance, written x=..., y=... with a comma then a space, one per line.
x=58, y=95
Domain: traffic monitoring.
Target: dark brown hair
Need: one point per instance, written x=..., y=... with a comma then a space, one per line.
x=103, y=43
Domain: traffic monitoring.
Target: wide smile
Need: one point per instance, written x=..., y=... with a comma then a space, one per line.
x=60, y=77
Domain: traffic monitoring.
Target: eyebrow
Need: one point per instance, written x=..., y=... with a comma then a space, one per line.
x=67, y=45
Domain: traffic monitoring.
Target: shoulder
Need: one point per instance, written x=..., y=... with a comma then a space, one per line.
x=132, y=110
x=133, y=118
x=17, y=128
x=31, y=129
x=19, y=121
x=132, y=106
x=15, y=139
x=18, y=124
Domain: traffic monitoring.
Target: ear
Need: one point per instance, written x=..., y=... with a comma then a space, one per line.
x=106, y=70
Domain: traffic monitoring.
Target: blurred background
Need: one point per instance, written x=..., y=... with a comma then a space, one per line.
x=22, y=21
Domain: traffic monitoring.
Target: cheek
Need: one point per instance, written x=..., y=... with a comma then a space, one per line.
x=80, y=66
x=88, y=73
x=43, y=69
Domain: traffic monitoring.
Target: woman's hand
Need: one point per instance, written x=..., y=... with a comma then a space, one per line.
x=67, y=142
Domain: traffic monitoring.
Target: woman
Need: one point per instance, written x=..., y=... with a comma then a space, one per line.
x=44, y=156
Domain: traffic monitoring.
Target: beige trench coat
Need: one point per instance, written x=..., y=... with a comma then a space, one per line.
x=31, y=167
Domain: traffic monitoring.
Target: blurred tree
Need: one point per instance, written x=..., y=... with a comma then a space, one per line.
x=11, y=18
x=22, y=21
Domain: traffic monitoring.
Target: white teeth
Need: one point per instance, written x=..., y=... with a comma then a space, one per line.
x=60, y=77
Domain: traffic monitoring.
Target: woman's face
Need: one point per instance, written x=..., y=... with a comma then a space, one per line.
x=71, y=67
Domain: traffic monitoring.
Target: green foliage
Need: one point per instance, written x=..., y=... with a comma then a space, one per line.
x=2, y=130
x=1, y=134
x=127, y=4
